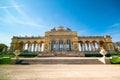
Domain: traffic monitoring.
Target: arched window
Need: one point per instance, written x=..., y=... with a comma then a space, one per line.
x=53, y=42
x=60, y=45
x=68, y=45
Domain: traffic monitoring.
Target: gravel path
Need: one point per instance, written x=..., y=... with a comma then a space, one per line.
x=59, y=72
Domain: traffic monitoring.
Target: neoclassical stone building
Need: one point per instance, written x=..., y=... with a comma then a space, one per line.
x=62, y=40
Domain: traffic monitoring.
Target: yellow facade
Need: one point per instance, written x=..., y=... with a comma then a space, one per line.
x=61, y=40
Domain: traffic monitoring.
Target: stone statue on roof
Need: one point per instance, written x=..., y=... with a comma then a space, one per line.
x=60, y=28
x=53, y=29
x=68, y=29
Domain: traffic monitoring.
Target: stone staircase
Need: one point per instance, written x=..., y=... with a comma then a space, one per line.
x=62, y=60
x=61, y=54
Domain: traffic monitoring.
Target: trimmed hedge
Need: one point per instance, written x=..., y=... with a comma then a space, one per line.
x=5, y=60
x=25, y=51
x=96, y=54
x=7, y=55
x=115, y=59
x=28, y=55
x=93, y=55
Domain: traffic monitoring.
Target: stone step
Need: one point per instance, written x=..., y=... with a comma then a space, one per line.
x=63, y=60
x=61, y=54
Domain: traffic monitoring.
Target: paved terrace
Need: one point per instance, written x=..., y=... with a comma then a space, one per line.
x=60, y=72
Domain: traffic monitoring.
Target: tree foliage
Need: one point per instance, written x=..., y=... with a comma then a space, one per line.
x=3, y=47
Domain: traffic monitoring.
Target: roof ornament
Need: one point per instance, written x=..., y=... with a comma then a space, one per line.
x=53, y=29
x=61, y=28
x=68, y=29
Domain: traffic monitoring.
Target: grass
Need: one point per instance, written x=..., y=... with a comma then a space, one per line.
x=6, y=58
x=115, y=59
x=20, y=56
x=7, y=55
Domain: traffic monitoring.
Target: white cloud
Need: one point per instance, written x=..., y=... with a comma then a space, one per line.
x=22, y=22
x=115, y=25
x=22, y=18
x=13, y=6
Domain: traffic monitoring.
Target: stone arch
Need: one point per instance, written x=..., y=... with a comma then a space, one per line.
x=41, y=42
x=27, y=46
x=87, y=45
x=40, y=46
x=34, y=46
x=81, y=45
x=95, y=45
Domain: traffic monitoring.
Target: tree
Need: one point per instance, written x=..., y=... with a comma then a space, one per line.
x=3, y=47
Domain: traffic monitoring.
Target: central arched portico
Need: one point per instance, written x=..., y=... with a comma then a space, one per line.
x=60, y=45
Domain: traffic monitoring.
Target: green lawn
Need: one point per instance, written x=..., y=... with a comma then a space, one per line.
x=6, y=58
x=7, y=55
x=115, y=59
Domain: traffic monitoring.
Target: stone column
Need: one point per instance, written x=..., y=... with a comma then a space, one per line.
x=23, y=47
x=87, y=46
x=81, y=46
x=37, y=47
x=56, y=46
x=98, y=45
x=40, y=47
x=34, y=47
x=94, y=47
x=64, y=46
x=91, y=46
x=30, y=47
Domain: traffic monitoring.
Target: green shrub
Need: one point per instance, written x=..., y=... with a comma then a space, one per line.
x=115, y=59
x=108, y=55
x=28, y=55
x=1, y=60
x=5, y=60
x=7, y=55
x=25, y=51
x=96, y=54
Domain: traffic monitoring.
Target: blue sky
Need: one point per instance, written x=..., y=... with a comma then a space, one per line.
x=35, y=17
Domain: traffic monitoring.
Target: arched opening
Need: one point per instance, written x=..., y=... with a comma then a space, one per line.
x=68, y=45
x=34, y=46
x=95, y=46
x=87, y=45
x=41, y=46
x=53, y=45
x=60, y=45
x=81, y=46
